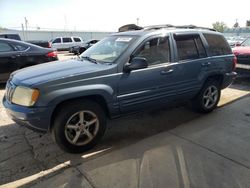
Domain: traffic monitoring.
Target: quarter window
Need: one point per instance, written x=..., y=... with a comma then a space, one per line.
x=4, y=47
x=155, y=51
x=217, y=45
x=77, y=39
x=189, y=47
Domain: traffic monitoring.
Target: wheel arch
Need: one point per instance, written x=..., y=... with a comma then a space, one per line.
x=95, y=98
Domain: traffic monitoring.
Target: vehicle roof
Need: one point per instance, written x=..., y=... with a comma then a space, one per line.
x=164, y=30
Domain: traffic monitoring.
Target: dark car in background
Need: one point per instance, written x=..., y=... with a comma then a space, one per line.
x=242, y=52
x=42, y=43
x=81, y=48
x=16, y=54
x=10, y=36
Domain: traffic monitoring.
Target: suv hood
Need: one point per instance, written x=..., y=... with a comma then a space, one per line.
x=55, y=70
x=241, y=50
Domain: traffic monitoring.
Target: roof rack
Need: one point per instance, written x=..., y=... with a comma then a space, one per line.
x=178, y=27
x=130, y=27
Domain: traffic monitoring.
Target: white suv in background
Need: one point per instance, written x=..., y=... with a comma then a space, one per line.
x=65, y=43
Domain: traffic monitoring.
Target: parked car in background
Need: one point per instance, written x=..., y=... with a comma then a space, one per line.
x=65, y=43
x=123, y=73
x=242, y=52
x=234, y=41
x=16, y=55
x=42, y=43
x=10, y=36
x=81, y=48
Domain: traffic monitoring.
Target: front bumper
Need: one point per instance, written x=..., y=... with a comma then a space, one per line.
x=35, y=118
x=228, y=79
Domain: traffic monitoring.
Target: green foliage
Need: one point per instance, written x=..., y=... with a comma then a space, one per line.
x=248, y=23
x=220, y=26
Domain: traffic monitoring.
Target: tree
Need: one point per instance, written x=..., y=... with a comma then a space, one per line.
x=248, y=23
x=220, y=26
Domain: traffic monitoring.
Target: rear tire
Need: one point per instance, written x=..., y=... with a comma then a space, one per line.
x=208, y=98
x=79, y=125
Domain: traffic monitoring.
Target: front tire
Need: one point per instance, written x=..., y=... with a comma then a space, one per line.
x=208, y=98
x=79, y=125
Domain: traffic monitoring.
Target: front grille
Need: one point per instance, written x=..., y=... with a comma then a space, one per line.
x=243, y=59
x=10, y=87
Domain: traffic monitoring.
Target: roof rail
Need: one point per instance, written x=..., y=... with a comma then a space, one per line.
x=178, y=27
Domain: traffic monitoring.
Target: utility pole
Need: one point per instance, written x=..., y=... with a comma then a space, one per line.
x=24, y=38
x=137, y=21
x=26, y=27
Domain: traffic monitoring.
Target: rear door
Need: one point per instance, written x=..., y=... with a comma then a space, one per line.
x=67, y=42
x=9, y=60
x=191, y=63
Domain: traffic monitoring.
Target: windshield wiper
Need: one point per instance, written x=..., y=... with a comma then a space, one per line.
x=89, y=59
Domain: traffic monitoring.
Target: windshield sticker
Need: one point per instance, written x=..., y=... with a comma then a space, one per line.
x=124, y=39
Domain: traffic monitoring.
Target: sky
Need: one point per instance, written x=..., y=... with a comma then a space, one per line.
x=109, y=15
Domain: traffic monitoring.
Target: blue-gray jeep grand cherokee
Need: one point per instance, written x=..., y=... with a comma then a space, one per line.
x=125, y=72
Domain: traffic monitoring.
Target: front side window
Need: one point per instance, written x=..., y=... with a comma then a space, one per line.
x=4, y=47
x=109, y=49
x=57, y=40
x=156, y=51
x=67, y=39
x=189, y=47
x=217, y=45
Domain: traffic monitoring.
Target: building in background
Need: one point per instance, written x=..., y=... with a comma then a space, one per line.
x=48, y=35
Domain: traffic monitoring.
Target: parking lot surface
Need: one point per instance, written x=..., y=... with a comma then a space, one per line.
x=215, y=147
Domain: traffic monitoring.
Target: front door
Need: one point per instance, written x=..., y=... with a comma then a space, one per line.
x=142, y=88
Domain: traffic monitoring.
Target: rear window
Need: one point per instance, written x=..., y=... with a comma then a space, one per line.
x=67, y=39
x=217, y=45
x=77, y=39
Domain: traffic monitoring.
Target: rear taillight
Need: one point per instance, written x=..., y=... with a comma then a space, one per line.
x=235, y=61
x=52, y=54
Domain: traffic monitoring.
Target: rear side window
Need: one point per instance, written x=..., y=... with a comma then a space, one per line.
x=57, y=40
x=217, y=45
x=189, y=47
x=4, y=47
x=67, y=39
x=21, y=47
x=77, y=39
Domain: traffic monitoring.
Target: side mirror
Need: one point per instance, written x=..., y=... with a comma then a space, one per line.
x=136, y=63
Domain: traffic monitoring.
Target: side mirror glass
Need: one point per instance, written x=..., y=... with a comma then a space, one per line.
x=136, y=63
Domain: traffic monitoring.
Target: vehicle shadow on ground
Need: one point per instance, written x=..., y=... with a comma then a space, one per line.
x=2, y=86
x=25, y=153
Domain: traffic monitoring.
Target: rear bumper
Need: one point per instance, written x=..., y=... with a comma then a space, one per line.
x=228, y=79
x=37, y=119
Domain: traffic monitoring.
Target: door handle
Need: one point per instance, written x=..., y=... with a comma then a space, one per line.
x=206, y=64
x=167, y=71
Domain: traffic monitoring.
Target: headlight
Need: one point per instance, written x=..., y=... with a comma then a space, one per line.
x=25, y=96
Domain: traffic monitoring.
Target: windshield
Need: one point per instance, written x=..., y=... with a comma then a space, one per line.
x=246, y=42
x=108, y=49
